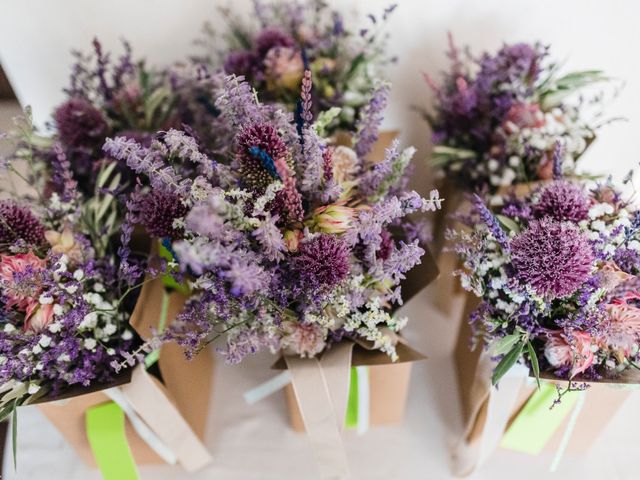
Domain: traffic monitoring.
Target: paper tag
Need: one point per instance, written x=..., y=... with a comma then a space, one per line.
x=108, y=441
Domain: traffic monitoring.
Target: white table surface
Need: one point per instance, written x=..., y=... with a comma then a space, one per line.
x=255, y=442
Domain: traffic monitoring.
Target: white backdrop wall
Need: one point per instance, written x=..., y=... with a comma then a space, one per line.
x=36, y=36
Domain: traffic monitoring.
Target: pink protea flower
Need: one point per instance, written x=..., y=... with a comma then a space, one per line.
x=65, y=243
x=575, y=351
x=20, y=292
x=335, y=218
x=303, y=339
x=292, y=239
x=38, y=317
x=624, y=329
x=611, y=276
x=523, y=115
x=345, y=164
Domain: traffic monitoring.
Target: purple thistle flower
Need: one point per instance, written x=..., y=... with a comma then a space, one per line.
x=258, y=147
x=272, y=38
x=555, y=258
x=322, y=261
x=80, y=124
x=19, y=223
x=370, y=120
x=562, y=200
x=491, y=222
x=157, y=212
x=241, y=62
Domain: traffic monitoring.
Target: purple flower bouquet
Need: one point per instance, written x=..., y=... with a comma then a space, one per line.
x=556, y=274
x=290, y=37
x=498, y=117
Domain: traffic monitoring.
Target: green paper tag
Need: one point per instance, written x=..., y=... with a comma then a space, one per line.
x=537, y=423
x=108, y=440
x=351, y=418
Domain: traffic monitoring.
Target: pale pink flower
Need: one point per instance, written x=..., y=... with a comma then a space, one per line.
x=612, y=276
x=624, y=328
x=284, y=67
x=335, y=218
x=64, y=243
x=304, y=339
x=574, y=351
x=345, y=164
x=523, y=115
x=38, y=318
x=17, y=293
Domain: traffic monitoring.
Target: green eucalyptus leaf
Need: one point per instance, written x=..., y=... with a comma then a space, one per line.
x=104, y=175
x=505, y=344
x=325, y=118
x=508, y=223
x=507, y=362
x=533, y=358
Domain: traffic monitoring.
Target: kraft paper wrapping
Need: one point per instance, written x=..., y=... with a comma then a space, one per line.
x=488, y=412
x=175, y=410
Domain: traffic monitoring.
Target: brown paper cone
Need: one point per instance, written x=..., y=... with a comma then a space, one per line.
x=187, y=384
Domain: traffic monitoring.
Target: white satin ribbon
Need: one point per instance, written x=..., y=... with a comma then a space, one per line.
x=364, y=399
x=141, y=428
x=267, y=388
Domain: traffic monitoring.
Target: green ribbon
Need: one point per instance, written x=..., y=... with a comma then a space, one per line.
x=351, y=418
x=108, y=440
x=537, y=422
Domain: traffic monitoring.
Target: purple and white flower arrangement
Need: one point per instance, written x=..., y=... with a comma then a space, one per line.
x=64, y=300
x=498, y=117
x=289, y=37
x=291, y=244
x=557, y=277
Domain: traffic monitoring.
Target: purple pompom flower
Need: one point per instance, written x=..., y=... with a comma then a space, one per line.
x=272, y=38
x=158, y=211
x=259, y=147
x=19, y=223
x=322, y=261
x=240, y=62
x=80, y=124
x=562, y=200
x=555, y=258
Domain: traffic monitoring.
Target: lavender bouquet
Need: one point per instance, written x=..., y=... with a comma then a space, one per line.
x=64, y=301
x=107, y=97
x=557, y=275
x=292, y=244
x=291, y=37
x=498, y=117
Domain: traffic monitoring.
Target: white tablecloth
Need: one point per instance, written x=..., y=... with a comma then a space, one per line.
x=255, y=442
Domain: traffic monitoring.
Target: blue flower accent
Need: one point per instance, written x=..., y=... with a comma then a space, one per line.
x=266, y=160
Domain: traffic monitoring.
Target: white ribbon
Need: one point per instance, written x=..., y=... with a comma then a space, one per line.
x=364, y=399
x=141, y=428
x=267, y=388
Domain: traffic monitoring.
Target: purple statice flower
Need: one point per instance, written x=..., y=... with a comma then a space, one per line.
x=401, y=260
x=370, y=120
x=270, y=238
x=313, y=165
x=555, y=258
x=158, y=211
x=62, y=176
x=491, y=222
x=186, y=147
x=18, y=223
x=628, y=260
x=241, y=62
x=562, y=200
x=272, y=38
x=246, y=278
x=237, y=102
x=80, y=124
x=322, y=261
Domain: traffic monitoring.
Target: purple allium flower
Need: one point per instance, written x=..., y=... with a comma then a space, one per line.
x=322, y=261
x=19, y=223
x=158, y=211
x=80, y=124
x=562, y=200
x=271, y=38
x=555, y=258
x=241, y=62
x=259, y=147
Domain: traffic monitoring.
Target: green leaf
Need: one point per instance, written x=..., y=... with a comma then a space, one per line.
x=507, y=362
x=534, y=362
x=104, y=175
x=505, y=344
x=324, y=119
x=508, y=223
x=14, y=434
